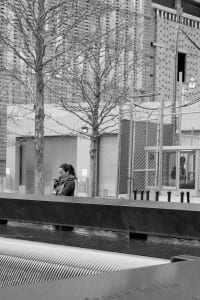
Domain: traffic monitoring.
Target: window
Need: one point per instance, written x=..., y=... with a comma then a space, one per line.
x=181, y=65
x=184, y=172
x=168, y=170
x=187, y=169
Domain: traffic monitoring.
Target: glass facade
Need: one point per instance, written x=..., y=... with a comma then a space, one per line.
x=187, y=169
x=169, y=169
x=178, y=169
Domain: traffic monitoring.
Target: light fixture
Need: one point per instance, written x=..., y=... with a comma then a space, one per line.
x=84, y=129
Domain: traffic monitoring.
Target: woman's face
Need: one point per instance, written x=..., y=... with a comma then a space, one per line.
x=61, y=171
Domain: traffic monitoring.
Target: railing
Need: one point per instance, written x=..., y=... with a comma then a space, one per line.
x=171, y=15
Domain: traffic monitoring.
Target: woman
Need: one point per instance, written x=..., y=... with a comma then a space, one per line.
x=65, y=184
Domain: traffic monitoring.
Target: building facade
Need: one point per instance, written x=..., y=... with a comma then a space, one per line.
x=63, y=143
x=175, y=40
x=165, y=48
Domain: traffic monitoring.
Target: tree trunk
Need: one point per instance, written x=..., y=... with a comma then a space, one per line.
x=93, y=166
x=39, y=102
x=39, y=135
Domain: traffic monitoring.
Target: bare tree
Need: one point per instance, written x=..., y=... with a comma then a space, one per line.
x=87, y=46
x=100, y=79
x=34, y=35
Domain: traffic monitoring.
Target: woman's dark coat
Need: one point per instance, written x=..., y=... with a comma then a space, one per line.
x=65, y=185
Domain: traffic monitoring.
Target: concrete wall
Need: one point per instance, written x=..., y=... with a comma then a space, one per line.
x=62, y=144
x=108, y=150
x=72, y=150
x=57, y=150
x=83, y=161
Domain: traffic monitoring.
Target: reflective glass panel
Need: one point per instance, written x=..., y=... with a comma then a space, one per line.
x=168, y=170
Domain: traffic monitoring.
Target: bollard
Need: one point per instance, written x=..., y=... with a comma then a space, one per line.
x=3, y=222
x=157, y=196
x=169, y=196
x=142, y=195
x=135, y=194
x=182, y=196
x=147, y=195
x=188, y=197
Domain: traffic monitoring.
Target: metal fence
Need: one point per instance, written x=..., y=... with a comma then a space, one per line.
x=152, y=147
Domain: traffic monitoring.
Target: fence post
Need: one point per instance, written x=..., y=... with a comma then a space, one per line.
x=169, y=196
x=157, y=195
x=188, y=197
x=182, y=196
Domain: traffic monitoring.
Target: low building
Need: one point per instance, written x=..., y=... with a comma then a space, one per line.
x=63, y=143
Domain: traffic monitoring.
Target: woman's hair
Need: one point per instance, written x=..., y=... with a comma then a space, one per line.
x=68, y=168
